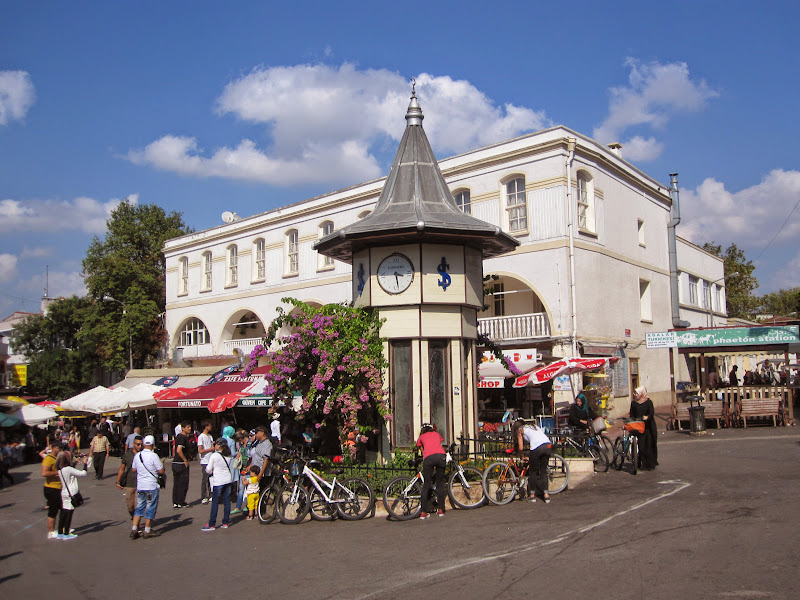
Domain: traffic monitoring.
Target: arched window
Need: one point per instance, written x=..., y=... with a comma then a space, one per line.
x=516, y=204
x=233, y=266
x=260, y=265
x=207, y=279
x=585, y=198
x=194, y=333
x=292, y=252
x=463, y=201
x=183, y=287
x=325, y=229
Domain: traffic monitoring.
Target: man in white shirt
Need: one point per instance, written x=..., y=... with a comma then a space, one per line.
x=205, y=448
x=147, y=466
x=275, y=429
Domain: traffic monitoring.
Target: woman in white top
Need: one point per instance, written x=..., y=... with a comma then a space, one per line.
x=219, y=469
x=540, y=449
x=68, y=475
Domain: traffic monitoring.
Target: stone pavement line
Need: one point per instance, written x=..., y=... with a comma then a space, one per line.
x=420, y=576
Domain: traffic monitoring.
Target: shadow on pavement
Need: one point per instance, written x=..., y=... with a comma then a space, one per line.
x=174, y=522
x=10, y=554
x=7, y=577
x=97, y=526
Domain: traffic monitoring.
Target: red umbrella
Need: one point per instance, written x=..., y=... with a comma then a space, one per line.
x=173, y=393
x=564, y=366
x=49, y=403
x=221, y=403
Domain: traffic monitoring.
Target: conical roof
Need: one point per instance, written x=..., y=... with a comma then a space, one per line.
x=415, y=206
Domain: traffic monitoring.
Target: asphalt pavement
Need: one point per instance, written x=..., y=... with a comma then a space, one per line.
x=715, y=520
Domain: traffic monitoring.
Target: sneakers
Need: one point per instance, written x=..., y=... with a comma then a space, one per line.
x=134, y=534
x=150, y=534
x=249, y=518
x=208, y=527
x=424, y=515
x=204, y=501
x=236, y=511
x=67, y=536
x=184, y=505
x=52, y=535
x=440, y=513
x=176, y=506
x=224, y=526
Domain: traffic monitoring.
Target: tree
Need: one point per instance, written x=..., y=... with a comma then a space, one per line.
x=781, y=303
x=61, y=359
x=739, y=281
x=129, y=266
x=334, y=358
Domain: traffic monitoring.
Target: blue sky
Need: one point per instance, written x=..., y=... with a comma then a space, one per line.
x=202, y=107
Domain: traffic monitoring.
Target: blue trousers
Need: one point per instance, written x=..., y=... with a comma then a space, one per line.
x=222, y=492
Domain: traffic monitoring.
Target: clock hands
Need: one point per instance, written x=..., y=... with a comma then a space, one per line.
x=397, y=279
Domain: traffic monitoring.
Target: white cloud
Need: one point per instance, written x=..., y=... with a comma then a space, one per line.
x=749, y=218
x=58, y=283
x=16, y=95
x=8, y=267
x=36, y=252
x=326, y=123
x=81, y=214
x=655, y=92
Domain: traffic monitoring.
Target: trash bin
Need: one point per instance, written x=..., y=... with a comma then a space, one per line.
x=697, y=415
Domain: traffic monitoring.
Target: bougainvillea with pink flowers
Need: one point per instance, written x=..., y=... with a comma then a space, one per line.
x=334, y=358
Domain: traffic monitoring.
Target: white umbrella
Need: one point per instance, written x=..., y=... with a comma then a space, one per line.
x=138, y=397
x=84, y=400
x=31, y=414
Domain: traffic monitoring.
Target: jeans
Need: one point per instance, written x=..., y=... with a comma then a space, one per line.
x=223, y=492
x=240, y=497
x=180, y=483
x=437, y=462
x=147, y=504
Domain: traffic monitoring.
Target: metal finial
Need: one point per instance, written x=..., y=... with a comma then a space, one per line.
x=414, y=115
x=413, y=88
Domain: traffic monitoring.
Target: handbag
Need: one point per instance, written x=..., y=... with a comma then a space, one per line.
x=76, y=499
x=160, y=477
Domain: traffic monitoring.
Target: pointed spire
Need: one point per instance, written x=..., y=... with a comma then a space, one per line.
x=414, y=114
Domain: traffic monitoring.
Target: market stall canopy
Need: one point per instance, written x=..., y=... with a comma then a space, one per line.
x=220, y=384
x=84, y=401
x=12, y=404
x=137, y=398
x=34, y=415
x=564, y=366
x=7, y=420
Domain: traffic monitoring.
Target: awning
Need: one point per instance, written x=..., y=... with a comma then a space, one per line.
x=564, y=366
x=491, y=368
x=203, y=395
x=31, y=414
x=85, y=401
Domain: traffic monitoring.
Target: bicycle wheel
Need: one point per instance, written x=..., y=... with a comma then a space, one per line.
x=465, y=488
x=635, y=453
x=355, y=498
x=557, y=474
x=619, y=454
x=293, y=505
x=607, y=445
x=500, y=483
x=320, y=509
x=600, y=459
x=266, y=509
x=402, y=498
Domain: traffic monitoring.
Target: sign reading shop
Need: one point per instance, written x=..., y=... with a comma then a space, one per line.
x=733, y=336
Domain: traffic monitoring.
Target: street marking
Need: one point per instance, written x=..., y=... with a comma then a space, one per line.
x=680, y=486
x=708, y=438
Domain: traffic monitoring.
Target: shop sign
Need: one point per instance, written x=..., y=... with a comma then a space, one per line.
x=191, y=403
x=491, y=383
x=562, y=384
x=256, y=402
x=667, y=339
x=733, y=336
x=18, y=375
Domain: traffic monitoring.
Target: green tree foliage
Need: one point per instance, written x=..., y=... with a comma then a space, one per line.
x=334, y=358
x=739, y=299
x=128, y=265
x=781, y=303
x=61, y=356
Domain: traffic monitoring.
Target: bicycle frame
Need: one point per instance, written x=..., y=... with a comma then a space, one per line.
x=316, y=480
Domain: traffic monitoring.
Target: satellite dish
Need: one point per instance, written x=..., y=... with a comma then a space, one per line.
x=228, y=216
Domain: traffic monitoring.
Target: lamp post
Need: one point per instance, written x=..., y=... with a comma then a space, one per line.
x=710, y=310
x=130, y=336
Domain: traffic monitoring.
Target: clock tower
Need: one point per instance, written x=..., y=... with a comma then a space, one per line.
x=418, y=258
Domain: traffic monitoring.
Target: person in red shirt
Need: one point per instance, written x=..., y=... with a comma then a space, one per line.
x=434, y=461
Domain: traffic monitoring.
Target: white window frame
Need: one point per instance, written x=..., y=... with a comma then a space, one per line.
x=706, y=295
x=325, y=262
x=584, y=197
x=463, y=200
x=645, y=301
x=194, y=333
x=233, y=266
x=693, y=290
x=516, y=204
x=208, y=271
x=259, y=260
x=183, y=288
x=292, y=253
x=718, y=298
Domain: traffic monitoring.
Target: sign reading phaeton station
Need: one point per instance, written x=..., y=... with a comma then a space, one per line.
x=733, y=336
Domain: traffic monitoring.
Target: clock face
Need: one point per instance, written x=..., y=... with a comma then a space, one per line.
x=395, y=274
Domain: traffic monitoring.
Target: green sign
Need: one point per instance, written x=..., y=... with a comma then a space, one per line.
x=733, y=336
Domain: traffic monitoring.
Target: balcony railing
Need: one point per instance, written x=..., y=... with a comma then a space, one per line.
x=515, y=327
x=246, y=345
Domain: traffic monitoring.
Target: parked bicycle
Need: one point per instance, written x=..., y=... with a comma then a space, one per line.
x=402, y=496
x=588, y=445
x=351, y=499
x=627, y=445
x=267, y=507
x=505, y=480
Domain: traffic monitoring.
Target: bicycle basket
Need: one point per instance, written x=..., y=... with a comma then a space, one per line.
x=599, y=425
x=295, y=468
x=637, y=426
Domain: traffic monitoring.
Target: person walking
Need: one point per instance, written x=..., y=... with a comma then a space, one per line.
x=125, y=479
x=52, y=487
x=642, y=409
x=540, y=449
x=434, y=462
x=69, y=492
x=205, y=448
x=99, y=450
x=147, y=466
x=219, y=468
x=180, y=467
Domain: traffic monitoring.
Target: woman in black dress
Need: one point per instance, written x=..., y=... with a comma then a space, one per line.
x=642, y=409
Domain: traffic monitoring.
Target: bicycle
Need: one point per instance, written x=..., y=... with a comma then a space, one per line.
x=627, y=445
x=266, y=508
x=588, y=444
x=351, y=500
x=504, y=480
x=402, y=496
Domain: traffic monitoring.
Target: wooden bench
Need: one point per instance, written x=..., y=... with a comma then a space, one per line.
x=755, y=408
x=714, y=412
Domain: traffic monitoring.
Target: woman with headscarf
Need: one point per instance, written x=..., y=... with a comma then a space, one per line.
x=580, y=414
x=642, y=410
